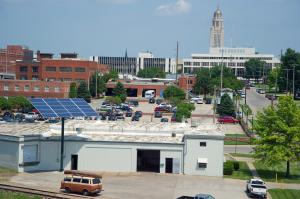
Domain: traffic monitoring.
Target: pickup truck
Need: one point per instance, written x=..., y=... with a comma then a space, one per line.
x=256, y=187
x=31, y=116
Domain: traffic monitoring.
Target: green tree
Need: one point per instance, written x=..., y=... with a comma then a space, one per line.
x=174, y=94
x=113, y=99
x=278, y=129
x=203, y=83
x=184, y=110
x=151, y=73
x=120, y=91
x=83, y=92
x=4, y=105
x=73, y=90
x=101, y=88
x=255, y=69
x=226, y=106
x=289, y=59
x=112, y=75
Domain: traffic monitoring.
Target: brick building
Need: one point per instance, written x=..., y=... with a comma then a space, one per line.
x=31, y=88
x=9, y=56
x=186, y=82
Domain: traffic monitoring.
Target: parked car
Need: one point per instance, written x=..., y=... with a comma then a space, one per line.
x=81, y=182
x=159, y=101
x=128, y=114
x=208, y=101
x=199, y=101
x=152, y=100
x=157, y=114
x=271, y=96
x=138, y=113
x=198, y=196
x=256, y=187
x=135, y=118
x=243, y=95
x=134, y=103
x=164, y=119
x=227, y=119
x=162, y=109
x=173, y=118
x=31, y=116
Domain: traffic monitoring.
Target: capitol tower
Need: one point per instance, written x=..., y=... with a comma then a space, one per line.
x=217, y=30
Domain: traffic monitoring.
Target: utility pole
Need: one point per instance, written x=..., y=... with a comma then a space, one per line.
x=221, y=86
x=287, y=80
x=96, y=86
x=294, y=81
x=177, y=61
x=214, y=108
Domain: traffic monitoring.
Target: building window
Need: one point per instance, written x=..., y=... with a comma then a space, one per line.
x=50, y=68
x=36, y=88
x=35, y=69
x=23, y=69
x=190, y=82
x=17, y=87
x=35, y=77
x=23, y=77
x=187, y=63
x=46, y=88
x=65, y=69
x=79, y=69
x=26, y=88
x=202, y=163
x=203, y=144
x=67, y=79
x=56, y=89
x=6, y=87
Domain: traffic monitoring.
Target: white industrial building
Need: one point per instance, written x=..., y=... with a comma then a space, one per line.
x=114, y=146
x=233, y=58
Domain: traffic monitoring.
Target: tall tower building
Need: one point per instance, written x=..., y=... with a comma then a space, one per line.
x=217, y=30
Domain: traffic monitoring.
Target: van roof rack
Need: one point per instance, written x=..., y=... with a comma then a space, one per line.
x=83, y=173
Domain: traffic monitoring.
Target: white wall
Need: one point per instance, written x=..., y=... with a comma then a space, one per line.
x=9, y=154
x=213, y=152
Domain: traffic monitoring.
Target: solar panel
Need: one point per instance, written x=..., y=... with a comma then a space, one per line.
x=73, y=107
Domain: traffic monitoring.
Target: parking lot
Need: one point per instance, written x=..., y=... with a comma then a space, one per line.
x=203, y=114
x=145, y=185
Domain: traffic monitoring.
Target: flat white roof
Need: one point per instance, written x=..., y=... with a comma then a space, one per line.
x=120, y=131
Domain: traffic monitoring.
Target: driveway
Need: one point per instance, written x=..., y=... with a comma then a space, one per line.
x=144, y=185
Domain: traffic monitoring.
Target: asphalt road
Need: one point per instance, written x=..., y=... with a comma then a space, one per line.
x=256, y=101
x=238, y=148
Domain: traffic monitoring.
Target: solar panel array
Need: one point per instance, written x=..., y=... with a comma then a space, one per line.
x=73, y=107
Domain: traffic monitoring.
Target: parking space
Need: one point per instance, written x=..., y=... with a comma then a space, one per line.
x=145, y=185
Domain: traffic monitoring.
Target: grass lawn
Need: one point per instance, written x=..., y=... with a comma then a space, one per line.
x=284, y=193
x=244, y=155
x=269, y=174
x=6, y=173
x=233, y=142
x=243, y=173
x=236, y=143
x=14, y=195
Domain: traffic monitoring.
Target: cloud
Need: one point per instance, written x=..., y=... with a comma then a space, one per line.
x=181, y=6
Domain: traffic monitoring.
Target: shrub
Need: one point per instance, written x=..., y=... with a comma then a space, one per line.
x=236, y=165
x=228, y=168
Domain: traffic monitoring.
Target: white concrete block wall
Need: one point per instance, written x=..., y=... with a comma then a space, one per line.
x=9, y=154
x=213, y=152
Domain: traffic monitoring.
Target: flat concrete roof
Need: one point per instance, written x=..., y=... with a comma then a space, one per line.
x=120, y=131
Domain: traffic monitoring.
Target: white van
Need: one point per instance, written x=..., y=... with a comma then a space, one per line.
x=149, y=94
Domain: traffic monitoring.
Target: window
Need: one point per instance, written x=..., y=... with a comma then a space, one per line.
x=46, y=88
x=96, y=181
x=23, y=77
x=35, y=77
x=50, y=68
x=23, y=68
x=56, y=89
x=65, y=69
x=17, y=87
x=26, y=88
x=6, y=87
x=202, y=163
x=187, y=63
x=36, y=88
x=76, y=179
x=203, y=144
x=80, y=69
x=35, y=69
x=67, y=179
x=86, y=181
x=190, y=82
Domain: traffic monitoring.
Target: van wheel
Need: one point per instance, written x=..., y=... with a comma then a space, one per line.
x=67, y=190
x=85, y=193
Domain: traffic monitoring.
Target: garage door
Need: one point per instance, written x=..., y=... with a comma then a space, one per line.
x=105, y=159
x=30, y=153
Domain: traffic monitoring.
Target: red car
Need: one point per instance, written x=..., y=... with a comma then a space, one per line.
x=227, y=119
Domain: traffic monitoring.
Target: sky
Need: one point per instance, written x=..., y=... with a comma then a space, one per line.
x=109, y=27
